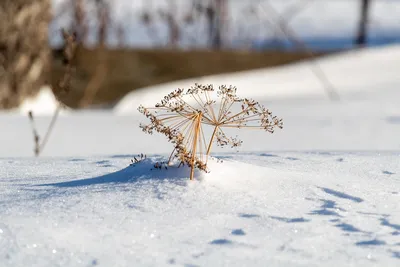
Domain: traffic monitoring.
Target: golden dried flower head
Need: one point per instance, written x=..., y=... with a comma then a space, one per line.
x=182, y=115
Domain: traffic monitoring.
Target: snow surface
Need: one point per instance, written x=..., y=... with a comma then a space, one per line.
x=364, y=70
x=324, y=191
x=257, y=209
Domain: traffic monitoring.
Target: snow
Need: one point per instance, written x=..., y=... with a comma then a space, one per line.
x=346, y=71
x=324, y=191
x=295, y=209
x=44, y=103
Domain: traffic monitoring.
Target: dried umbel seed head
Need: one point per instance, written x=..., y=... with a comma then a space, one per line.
x=182, y=115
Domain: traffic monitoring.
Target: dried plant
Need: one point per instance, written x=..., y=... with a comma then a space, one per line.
x=64, y=85
x=70, y=45
x=182, y=115
x=140, y=158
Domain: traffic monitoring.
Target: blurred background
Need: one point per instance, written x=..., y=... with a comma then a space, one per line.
x=117, y=46
x=229, y=24
x=329, y=68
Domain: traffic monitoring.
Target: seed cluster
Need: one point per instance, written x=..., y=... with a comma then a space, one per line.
x=182, y=115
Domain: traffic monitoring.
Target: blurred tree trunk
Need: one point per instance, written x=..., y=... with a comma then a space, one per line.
x=361, y=38
x=24, y=49
x=217, y=38
x=216, y=13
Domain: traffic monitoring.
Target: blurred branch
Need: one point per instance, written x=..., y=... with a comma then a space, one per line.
x=70, y=44
x=214, y=12
x=173, y=27
x=291, y=35
x=103, y=17
x=295, y=9
x=147, y=19
x=79, y=23
x=39, y=146
x=361, y=38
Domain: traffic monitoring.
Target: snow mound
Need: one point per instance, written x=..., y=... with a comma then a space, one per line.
x=154, y=168
x=43, y=104
x=349, y=72
x=228, y=173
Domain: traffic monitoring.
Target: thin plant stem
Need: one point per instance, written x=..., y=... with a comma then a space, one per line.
x=195, y=144
x=211, y=140
x=51, y=126
x=170, y=157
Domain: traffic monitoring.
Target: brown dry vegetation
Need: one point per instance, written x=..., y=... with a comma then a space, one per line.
x=24, y=50
x=127, y=70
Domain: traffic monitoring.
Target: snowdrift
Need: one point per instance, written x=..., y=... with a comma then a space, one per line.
x=364, y=70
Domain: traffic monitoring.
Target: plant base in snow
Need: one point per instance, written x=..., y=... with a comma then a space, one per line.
x=160, y=166
x=138, y=159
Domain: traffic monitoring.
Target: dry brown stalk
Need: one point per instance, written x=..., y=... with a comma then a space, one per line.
x=36, y=137
x=64, y=84
x=182, y=115
x=39, y=145
x=70, y=45
x=69, y=51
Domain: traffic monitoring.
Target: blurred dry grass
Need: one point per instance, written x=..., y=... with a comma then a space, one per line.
x=127, y=70
x=24, y=50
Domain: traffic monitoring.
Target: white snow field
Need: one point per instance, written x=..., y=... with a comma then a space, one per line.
x=257, y=209
x=324, y=191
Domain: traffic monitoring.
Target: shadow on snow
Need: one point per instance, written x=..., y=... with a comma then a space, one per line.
x=341, y=195
x=290, y=220
x=143, y=170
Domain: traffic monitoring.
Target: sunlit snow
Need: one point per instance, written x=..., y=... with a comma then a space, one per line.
x=324, y=191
